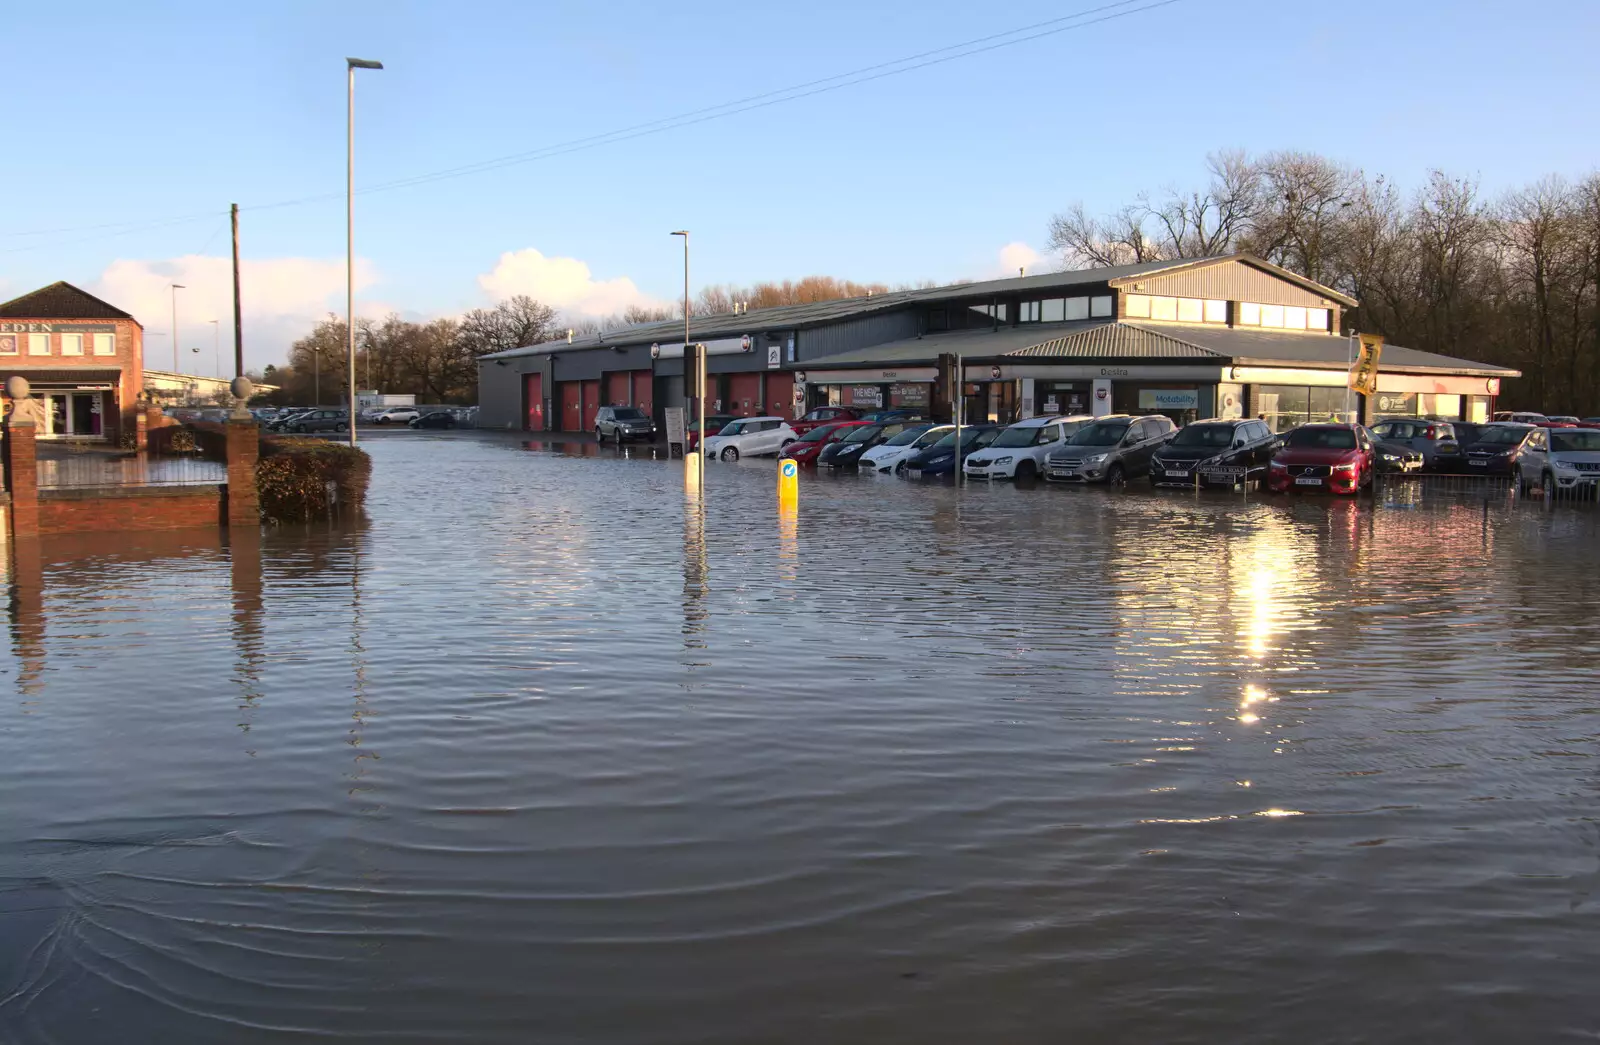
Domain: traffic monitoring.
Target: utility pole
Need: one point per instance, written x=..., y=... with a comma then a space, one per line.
x=238, y=322
x=699, y=380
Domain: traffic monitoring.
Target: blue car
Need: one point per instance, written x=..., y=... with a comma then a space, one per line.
x=940, y=458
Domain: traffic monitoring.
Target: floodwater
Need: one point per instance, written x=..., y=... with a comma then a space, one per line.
x=537, y=754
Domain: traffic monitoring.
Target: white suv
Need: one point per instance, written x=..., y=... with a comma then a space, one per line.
x=396, y=415
x=1560, y=461
x=1019, y=452
x=750, y=437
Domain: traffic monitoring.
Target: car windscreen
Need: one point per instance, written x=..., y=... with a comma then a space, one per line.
x=1575, y=441
x=732, y=428
x=932, y=436
x=862, y=434
x=908, y=437
x=1017, y=436
x=1321, y=439
x=627, y=413
x=1205, y=436
x=1104, y=433
x=1502, y=436
x=968, y=436
x=817, y=435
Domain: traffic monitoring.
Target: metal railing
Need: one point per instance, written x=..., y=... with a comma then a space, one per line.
x=169, y=463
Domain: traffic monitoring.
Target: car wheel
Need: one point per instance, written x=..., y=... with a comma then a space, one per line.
x=730, y=453
x=1026, y=470
x=599, y=434
x=298, y=428
x=900, y=468
x=341, y=427
x=1116, y=475
x=382, y=421
x=1548, y=480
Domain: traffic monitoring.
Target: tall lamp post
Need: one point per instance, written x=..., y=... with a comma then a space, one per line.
x=176, y=369
x=351, y=65
x=699, y=358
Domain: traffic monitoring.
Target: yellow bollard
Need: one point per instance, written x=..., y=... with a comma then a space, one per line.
x=692, y=465
x=788, y=484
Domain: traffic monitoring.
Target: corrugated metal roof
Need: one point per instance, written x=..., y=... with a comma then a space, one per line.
x=1117, y=341
x=1270, y=346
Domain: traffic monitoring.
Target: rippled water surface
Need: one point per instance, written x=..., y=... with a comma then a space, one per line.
x=537, y=754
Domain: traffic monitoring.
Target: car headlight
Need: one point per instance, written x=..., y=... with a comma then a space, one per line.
x=941, y=459
x=1277, y=466
x=1001, y=460
x=1095, y=459
x=1344, y=467
x=1391, y=457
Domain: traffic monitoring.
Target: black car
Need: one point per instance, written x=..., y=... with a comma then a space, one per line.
x=941, y=457
x=846, y=452
x=1497, y=448
x=1391, y=457
x=1221, y=451
x=622, y=423
x=435, y=419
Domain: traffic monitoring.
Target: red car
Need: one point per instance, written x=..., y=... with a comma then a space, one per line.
x=1336, y=458
x=808, y=447
x=824, y=415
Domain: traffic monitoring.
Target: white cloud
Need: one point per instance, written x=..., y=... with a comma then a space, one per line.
x=562, y=283
x=1018, y=255
x=281, y=299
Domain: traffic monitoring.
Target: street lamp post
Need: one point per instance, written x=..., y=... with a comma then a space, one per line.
x=351, y=65
x=176, y=369
x=699, y=357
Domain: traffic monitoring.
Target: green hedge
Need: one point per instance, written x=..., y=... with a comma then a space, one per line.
x=294, y=475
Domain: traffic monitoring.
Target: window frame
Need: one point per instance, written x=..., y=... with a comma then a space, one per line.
x=71, y=338
x=1072, y=306
x=35, y=338
x=1102, y=306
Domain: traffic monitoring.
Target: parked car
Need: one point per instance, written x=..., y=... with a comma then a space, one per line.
x=846, y=452
x=396, y=415
x=750, y=437
x=1392, y=457
x=1521, y=417
x=1338, y=458
x=823, y=415
x=892, y=455
x=1020, y=451
x=1222, y=451
x=1434, y=440
x=434, y=419
x=1498, y=448
x=897, y=413
x=1112, y=448
x=315, y=421
x=1564, y=419
x=808, y=448
x=942, y=457
x=714, y=422
x=1561, y=461
x=622, y=423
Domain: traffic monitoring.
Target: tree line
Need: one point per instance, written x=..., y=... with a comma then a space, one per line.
x=1512, y=280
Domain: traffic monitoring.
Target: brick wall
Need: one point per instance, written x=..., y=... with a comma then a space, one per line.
x=126, y=366
x=107, y=509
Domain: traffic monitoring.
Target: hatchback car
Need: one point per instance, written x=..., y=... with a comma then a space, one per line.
x=1561, y=461
x=808, y=448
x=714, y=424
x=892, y=455
x=846, y=452
x=1114, y=448
x=1021, y=450
x=1498, y=448
x=1333, y=457
x=315, y=421
x=435, y=419
x=942, y=457
x=823, y=415
x=750, y=437
x=1434, y=440
x=1222, y=451
x=622, y=423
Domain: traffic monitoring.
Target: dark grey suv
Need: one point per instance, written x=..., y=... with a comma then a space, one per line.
x=315, y=421
x=1223, y=451
x=622, y=423
x=1113, y=449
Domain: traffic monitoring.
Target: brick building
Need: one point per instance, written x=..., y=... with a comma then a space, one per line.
x=84, y=358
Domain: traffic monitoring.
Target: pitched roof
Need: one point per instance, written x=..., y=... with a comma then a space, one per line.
x=60, y=300
x=1174, y=267
x=1118, y=341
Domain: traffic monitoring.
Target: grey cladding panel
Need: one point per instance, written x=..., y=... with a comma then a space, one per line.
x=1233, y=281
x=857, y=333
x=500, y=395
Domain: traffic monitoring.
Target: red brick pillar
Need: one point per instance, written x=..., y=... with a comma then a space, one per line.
x=22, y=476
x=244, y=448
x=141, y=429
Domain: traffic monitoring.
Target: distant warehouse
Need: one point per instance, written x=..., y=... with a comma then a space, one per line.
x=1226, y=336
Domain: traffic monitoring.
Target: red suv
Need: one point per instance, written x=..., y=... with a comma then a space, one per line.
x=1337, y=458
x=824, y=415
x=808, y=447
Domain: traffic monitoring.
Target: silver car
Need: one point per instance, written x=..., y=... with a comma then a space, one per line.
x=1562, y=461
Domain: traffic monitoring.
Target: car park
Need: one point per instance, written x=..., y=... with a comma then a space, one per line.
x=396, y=415
x=435, y=419
x=622, y=423
x=1112, y=448
x=892, y=455
x=714, y=423
x=750, y=437
x=1337, y=458
x=1497, y=448
x=944, y=456
x=1560, y=461
x=1021, y=449
x=1221, y=451
x=846, y=451
x=808, y=448
x=823, y=415
x=1434, y=440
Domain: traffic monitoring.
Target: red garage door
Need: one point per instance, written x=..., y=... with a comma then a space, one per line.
x=744, y=395
x=642, y=380
x=617, y=389
x=591, y=405
x=780, y=394
x=571, y=407
x=534, y=421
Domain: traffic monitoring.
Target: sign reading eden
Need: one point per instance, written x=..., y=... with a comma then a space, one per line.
x=1169, y=399
x=13, y=327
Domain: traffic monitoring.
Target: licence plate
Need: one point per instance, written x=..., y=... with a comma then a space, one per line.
x=1479, y=464
x=1308, y=480
x=1176, y=475
x=914, y=473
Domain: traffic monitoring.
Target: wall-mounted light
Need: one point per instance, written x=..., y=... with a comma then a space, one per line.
x=655, y=351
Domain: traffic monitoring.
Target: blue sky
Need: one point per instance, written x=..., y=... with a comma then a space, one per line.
x=123, y=113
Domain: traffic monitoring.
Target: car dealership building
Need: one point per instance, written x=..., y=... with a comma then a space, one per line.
x=1225, y=336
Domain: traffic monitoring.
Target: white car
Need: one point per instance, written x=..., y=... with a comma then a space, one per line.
x=750, y=437
x=396, y=415
x=1560, y=461
x=1019, y=452
x=892, y=456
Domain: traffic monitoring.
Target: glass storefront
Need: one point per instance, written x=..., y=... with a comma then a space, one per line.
x=73, y=413
x=1063, y=397
x=1286, y=406
x=1182, y=403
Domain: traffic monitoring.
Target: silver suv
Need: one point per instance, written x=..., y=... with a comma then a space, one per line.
x=1561, y=461
x=1116, y=448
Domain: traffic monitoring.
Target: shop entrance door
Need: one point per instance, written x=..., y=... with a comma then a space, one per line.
x=78, y=414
